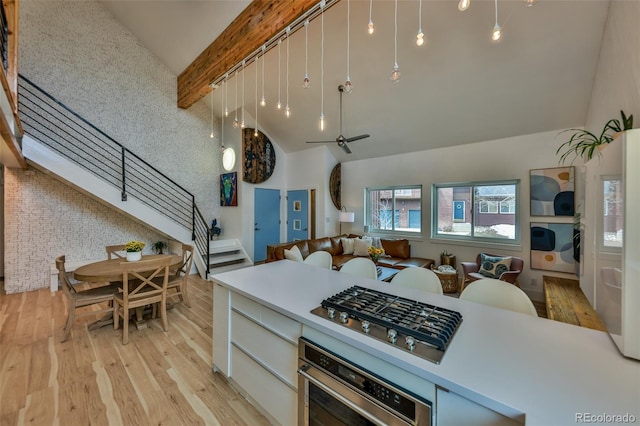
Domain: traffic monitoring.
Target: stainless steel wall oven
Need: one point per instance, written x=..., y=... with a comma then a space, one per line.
x=334, y=391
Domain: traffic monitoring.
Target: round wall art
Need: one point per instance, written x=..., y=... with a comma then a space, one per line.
x=334, y=186
x=259, y=157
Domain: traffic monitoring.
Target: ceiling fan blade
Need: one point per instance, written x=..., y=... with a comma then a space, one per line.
x=321, y=141
x=355, y=138
x=345, y=147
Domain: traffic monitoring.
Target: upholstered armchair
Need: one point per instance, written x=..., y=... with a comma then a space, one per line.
x=505, y=268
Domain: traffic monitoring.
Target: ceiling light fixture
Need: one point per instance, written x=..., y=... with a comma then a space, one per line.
x=255, y=133
x=306, y=83
x=226, y=103
x=287, y=111
x=370, y=28
x=464, y=5
x=242, y=122
x=263, y=101
x=530, y=3
x=236, y=123
x=322, y=123
x=496, y=33
x=347, y=84
x=395, y=74
x=279, y=104
x=420, y=35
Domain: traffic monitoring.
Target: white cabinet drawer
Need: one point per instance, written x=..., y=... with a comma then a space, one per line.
x=275, y=354
x=281, y=325
x=279, y=400
x=246, y=306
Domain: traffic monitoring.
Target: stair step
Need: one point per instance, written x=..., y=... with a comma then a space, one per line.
x=221, y=246
x=225, y=257
x=227, y=263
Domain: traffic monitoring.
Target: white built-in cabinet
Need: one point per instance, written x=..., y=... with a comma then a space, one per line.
x=455, y=410
x=257, y=348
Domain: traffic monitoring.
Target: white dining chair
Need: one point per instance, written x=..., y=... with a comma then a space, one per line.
x=420, y=278
x=320, y=258
x=499, y=294
x=361, y=266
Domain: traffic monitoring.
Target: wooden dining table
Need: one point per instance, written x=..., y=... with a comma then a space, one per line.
x=110, y=270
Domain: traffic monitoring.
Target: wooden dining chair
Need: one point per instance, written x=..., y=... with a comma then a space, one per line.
x=143, y=283
x=116, y=252
x=180, y=280
x=80, y=298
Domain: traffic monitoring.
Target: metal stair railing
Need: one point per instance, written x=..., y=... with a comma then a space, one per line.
x=51, y=123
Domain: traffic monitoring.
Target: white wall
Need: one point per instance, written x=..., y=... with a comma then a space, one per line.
x=510, y=158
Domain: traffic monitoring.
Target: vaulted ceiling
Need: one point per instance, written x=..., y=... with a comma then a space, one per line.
x=457, y=88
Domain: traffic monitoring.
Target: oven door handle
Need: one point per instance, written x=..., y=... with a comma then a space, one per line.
x=310, y=373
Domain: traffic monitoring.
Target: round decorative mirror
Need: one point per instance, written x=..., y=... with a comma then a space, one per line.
x=228, y=158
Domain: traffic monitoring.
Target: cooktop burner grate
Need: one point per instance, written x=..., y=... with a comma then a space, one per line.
x=428, y=323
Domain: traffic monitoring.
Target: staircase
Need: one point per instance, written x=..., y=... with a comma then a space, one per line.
x=60, y=142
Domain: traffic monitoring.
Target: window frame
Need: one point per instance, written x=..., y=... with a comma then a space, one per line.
x=394, y=208
x=435, y=235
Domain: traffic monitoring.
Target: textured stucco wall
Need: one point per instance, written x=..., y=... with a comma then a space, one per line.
x=76, y=51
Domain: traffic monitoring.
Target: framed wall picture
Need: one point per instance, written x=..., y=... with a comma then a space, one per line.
x=229, y=189
x=297, y=206
x=552, y=191
x=297, y=224
x=552, y=247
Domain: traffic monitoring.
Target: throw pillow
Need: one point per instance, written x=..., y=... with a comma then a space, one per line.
x=293, y=254
x=347, y=245
x=361, y=247
x=494, y=266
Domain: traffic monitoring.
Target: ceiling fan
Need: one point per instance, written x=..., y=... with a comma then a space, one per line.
x=341, y=140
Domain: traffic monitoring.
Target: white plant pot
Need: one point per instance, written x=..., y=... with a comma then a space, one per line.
x=134, y=256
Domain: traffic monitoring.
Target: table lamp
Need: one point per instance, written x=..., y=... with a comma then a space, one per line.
x=346, y=217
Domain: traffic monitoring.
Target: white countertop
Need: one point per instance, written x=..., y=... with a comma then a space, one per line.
x=500, y=359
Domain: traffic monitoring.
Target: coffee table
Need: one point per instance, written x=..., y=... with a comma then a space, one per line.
x=386, y=274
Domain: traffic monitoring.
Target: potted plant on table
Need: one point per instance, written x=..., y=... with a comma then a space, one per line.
x=159, y=246
x=134, y=250
x=375, y=253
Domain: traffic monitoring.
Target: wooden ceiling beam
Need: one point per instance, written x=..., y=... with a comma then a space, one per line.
x=257, y=24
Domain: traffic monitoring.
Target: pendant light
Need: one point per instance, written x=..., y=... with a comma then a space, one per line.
x=322, y=123
x=212, y=135
x=347, y=84
x=279, y=104
x=395, y=74
x=306, y=83
x=236, y=123
x=420, y=35
x=226, y=103
x=287, y=111
x=464, y=5
x=255, y=133
x=370, y=28
x=496, y=33
x=530, y=3
x=242, y=122
x=263, y=101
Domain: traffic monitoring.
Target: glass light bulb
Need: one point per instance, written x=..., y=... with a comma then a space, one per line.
x=226, y=112
x=279, y=105
x=306, y=83
x=263, y=102
x=287, y=111
x=242, y=125
x=420, y=38
x=348, y=87
x=255, y=133
x=530, y=2
x=463, y=5
x=395, y=74
x=236, y=124
x=322, y=122
x=211, y=135
x=370, y=28
x=496, y=33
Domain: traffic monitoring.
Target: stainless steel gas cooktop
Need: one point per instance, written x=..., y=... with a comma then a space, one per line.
x=416, y=327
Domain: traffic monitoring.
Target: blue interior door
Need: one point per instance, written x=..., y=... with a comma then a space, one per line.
x=266, y=215
x=297, y=215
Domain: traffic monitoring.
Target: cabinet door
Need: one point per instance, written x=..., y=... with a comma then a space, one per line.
x=221, y=322
x=455, y=410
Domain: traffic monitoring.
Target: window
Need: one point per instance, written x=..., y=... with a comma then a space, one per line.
x=394, y=209
x=485, y=211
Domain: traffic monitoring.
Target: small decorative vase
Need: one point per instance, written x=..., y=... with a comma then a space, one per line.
x=375, y=259
x=134, y=256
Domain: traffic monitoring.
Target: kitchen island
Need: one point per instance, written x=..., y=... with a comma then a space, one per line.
x=529, y=370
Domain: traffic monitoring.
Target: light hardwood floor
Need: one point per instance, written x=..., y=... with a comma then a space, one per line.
x=157, y=379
